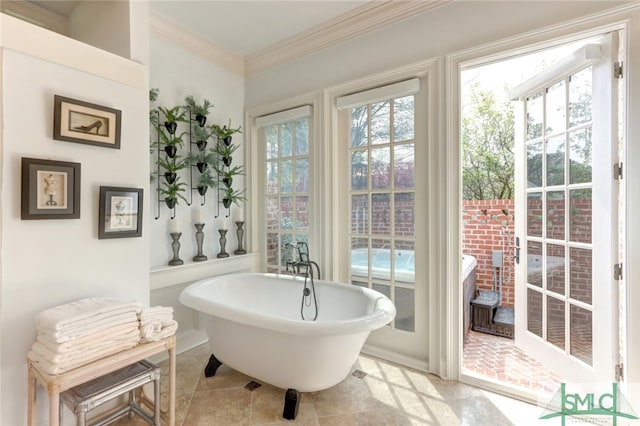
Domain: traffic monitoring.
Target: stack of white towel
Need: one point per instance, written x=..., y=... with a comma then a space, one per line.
x=80, y=332
x=156, y=322
x=83, y=331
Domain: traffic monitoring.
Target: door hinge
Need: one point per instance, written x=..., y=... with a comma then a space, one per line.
x=617, y=271
x=617, y=69
x=619, y=373
x=617, y=171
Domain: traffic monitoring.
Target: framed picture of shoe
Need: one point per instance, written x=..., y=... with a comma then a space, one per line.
x=120, y=212
x=50, y=189
x=83, y=122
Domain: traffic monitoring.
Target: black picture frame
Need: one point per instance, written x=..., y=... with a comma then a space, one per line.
x=87, y=123
x=50, y=189
x=120, y=212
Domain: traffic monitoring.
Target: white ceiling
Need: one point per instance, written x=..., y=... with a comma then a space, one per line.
x=246, y=27
x=243, y=27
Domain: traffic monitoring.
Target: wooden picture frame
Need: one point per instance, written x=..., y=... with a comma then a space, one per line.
x=120, y=212
x=50, y=189
x=83, y=122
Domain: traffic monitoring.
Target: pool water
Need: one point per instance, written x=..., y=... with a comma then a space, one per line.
x=404, y=264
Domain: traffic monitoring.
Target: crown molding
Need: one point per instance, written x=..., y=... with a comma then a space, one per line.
x=198, y=46
x=359, y=21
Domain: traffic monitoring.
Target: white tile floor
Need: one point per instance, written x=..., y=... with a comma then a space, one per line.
x=387, y=395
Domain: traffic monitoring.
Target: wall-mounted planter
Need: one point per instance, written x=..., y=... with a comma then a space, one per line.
x=201, y=120
x=171, y=202
x=201, y=145
x=200, y=111
x=202, y=167
x=172, y=116
x=171, y=126
x=170, y=150
x=170, y=177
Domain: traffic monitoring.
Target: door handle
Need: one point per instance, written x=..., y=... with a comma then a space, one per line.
x=517, y=255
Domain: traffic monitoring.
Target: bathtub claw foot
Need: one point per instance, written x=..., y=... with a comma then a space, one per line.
x=212, y=366
x=291, y=403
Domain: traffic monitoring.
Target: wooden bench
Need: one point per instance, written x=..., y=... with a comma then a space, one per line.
x=56, y=384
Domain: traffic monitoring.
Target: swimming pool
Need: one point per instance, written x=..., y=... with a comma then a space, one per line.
x=404, y=264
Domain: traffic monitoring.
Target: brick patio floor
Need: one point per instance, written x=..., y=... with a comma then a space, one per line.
x=498, y=358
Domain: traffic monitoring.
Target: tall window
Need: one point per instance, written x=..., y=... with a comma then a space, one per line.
x=382, y=194
x=286, y=140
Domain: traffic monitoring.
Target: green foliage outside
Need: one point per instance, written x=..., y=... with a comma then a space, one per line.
x=488, y=140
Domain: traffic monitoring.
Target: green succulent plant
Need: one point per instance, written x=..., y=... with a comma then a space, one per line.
x=153, y=112
x=173, y=191
x=224, y=150
x=175, y=114
x=207, y=157
x=225, y=131
x=201, y=133
x=167, y=138
x=228, y=173
x=198, y=109
x=232, y=196
x=206, y=180
x=173, y=164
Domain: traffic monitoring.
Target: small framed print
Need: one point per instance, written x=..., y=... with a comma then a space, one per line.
x=50, y=189
x=120, y=212
x=82, y=122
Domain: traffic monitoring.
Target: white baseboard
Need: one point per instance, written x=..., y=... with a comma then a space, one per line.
x=387, y=355
x=185, y=340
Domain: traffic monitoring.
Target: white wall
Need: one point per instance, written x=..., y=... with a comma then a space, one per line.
x=179, y=73
x=49, y=262
x=104, y=24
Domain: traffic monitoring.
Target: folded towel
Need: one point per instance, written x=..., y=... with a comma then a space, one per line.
x=117, y=333
x=155, y=312
x=81, y=352
x=74, y=314
x=59, y=368
x=165, y=322
x=153, y=332
x=88, y=327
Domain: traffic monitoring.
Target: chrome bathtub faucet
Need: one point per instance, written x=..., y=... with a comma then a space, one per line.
x=299, y=258
x=297, y=263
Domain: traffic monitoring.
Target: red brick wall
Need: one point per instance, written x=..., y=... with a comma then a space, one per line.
x=488, y=226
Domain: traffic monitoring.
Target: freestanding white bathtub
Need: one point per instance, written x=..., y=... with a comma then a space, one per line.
x=254, y=326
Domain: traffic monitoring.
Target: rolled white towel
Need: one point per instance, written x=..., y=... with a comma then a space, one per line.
x=88, y=327
x=75, y=313
x=150, y=329
x=91, y=339
x=162, y=318
x=153, y=333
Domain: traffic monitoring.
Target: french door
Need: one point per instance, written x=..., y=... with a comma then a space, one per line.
x=566, y=217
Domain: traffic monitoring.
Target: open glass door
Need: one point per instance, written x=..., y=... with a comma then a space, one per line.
x=566, y=217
